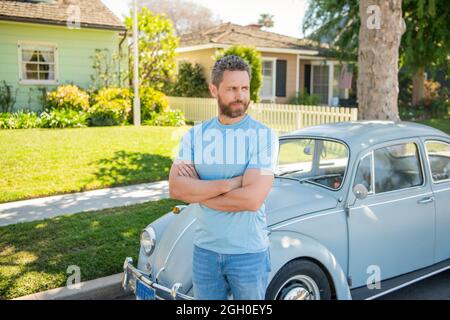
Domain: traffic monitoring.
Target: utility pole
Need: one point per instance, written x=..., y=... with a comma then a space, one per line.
x=136, y=100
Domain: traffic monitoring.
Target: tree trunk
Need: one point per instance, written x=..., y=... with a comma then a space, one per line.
x=418, y=90
x=378, y=59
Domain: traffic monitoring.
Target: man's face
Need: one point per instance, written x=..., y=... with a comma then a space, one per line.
x=233, y=93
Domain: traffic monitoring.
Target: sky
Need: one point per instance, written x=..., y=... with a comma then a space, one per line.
x=288, y=14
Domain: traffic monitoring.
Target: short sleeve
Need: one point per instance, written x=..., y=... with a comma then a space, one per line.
x=186, y=150
x=265, y=151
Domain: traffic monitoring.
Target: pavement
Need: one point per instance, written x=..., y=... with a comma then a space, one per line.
x=48, y=207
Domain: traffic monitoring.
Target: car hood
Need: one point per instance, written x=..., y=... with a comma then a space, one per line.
x=287, y=199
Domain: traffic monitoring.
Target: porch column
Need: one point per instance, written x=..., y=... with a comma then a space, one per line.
x=330, y=81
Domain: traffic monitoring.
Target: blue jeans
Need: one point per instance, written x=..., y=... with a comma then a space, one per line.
x=215, y=275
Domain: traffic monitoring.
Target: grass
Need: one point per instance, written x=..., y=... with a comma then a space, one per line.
x=43, y=162
x=442, y=124
x=34, y=256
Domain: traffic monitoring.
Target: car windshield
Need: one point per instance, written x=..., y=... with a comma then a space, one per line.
x=318, y=161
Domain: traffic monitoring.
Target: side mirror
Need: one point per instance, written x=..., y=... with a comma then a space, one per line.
x=360, y=191
x=307, y=150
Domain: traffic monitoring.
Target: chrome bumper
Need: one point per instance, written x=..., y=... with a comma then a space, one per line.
x=130, y=274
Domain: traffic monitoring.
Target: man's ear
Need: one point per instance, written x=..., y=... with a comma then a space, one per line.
x=213, y=89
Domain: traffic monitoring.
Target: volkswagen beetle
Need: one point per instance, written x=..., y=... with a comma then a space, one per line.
x=357, y=210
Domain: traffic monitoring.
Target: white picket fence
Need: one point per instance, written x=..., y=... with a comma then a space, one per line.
x=280, y=117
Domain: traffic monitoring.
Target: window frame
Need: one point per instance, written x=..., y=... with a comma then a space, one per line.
x=54, y=46
x=428, y=159
x=372, y=171
x=274, y=80
x=393, y=143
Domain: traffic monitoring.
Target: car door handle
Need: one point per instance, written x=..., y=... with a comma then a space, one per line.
x=426, y=200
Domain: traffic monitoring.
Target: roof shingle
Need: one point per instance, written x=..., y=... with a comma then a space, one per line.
x=93, y=13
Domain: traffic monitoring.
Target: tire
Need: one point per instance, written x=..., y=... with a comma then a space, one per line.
x=299, y=280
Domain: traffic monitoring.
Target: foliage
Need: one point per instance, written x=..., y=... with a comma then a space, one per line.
x=68, y=97
x=303, y=98
x=110, y=106
x=173, y=118
x=152, y=101
x=7, y=97
x=253, y=58
x=190, y=81
x=107, y=69
x=63, y=118
x=157, y=44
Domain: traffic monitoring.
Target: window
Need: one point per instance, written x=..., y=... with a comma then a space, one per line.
x=320, y=85
x=439, y=158
x=37, y=63
x=397, y=167
x=268, y=79
x=317, y=161
x=364, y=173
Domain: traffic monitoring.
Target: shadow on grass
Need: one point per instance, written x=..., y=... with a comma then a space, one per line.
x=126, y=168
x=34, y=256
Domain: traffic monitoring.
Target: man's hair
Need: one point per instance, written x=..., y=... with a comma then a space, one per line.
x=230, y=63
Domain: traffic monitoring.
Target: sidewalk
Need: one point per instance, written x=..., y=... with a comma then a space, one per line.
x=42, y=208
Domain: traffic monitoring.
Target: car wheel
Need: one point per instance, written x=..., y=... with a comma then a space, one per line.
x=299, y=280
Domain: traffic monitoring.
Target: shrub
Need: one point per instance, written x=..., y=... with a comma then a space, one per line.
x=253, y=58
x=7, y=97
x=68, y=97
x=305, y=99
x=152, y=101
x=63, y=118
x=19, y=120
x=190, y=82
x=169, y=117
x=110, y=106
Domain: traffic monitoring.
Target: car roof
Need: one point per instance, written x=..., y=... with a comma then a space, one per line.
x=362, y=134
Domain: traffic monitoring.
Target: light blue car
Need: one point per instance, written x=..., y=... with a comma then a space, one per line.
x=357, y=210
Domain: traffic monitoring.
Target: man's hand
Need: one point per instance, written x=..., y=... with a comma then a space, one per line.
x=185, y=184
x=187, y=170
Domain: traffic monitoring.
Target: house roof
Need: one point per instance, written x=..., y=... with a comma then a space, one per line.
x=232, y=34
x=93, y=13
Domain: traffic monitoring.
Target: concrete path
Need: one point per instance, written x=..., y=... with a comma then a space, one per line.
x=42, y=208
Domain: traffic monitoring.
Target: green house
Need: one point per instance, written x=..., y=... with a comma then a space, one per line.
x=46, y=43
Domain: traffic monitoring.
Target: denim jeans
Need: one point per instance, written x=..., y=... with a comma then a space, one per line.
x=216, y=275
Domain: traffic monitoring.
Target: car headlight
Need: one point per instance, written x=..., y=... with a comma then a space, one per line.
x=148, y=240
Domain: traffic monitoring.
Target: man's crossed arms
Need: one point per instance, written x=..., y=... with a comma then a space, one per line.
x=241, y=193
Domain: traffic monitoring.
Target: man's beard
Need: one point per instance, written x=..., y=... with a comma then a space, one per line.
x=228, y=111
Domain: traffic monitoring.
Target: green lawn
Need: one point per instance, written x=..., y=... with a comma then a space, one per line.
x=441, y=124
x=34, y=256
x=42, y=162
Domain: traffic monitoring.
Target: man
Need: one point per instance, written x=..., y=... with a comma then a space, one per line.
x=225, y=168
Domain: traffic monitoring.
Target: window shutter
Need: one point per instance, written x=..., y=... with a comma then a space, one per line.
x=308, y=78
x=280, y=85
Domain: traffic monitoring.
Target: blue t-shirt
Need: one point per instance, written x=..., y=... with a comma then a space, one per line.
x=221, y=151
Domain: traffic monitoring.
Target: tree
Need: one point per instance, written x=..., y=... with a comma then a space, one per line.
x=425, y=43
x=185, y=15
x=190, y=81
x=380, y=34
x=266, y=20
x=253, y=58
x=157, y=44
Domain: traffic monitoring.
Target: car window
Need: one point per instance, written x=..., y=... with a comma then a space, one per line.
x=439, y=158
x=364, y=173
x=296, y=154
x=397, y=167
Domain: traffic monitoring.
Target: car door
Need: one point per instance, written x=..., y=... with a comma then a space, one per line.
x=438, y=158
x=391, y=231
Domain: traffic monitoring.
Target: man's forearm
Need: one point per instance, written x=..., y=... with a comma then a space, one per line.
x=239, y=199
x=193, y=190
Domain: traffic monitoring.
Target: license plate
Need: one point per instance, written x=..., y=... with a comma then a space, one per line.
x=144, y=292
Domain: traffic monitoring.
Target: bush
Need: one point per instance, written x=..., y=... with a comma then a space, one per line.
x=152, y=101
x=63, y=118
x=174, y=118
x=190, y=82
x=110, y=106
x=68, y=97
x=19, y=120
x=253, y=58
x=305, y=99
